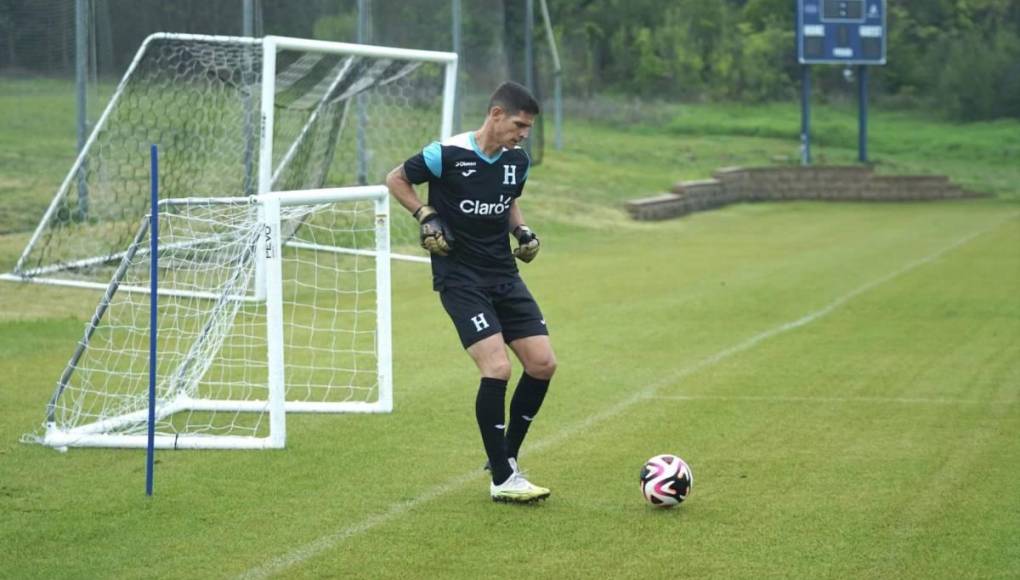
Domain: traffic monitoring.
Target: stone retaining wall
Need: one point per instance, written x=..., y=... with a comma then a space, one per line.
x=829, y=183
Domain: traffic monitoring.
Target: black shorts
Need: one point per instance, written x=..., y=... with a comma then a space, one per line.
x=482, y=312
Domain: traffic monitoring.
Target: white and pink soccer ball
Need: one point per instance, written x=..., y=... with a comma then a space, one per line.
x=666, y=480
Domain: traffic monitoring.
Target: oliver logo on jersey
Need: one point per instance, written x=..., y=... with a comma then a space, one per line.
x=472, y=206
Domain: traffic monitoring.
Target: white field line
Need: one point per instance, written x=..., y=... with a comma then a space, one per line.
x=308, y=551
x=809, y=399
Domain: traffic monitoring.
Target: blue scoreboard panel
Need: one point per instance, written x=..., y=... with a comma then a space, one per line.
x=841, y=31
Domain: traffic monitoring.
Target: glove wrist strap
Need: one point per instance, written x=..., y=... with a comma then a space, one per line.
x=423, y=212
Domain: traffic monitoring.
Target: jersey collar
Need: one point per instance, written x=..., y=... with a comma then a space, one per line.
x=478, y=150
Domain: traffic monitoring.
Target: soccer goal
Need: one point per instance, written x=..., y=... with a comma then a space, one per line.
x=267, y=304
x=238, y=116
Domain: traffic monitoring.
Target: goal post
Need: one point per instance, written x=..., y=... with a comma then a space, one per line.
x=233, y=116
x=232, y=364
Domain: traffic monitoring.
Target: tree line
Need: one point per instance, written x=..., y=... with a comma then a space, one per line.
x=958, y=57
x=961, y=57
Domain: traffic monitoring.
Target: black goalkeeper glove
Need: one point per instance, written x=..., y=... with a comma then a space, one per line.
x=527, y=244
x=435, y=236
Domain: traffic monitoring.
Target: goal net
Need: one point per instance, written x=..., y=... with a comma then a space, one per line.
x=268, y=304
x=238, y=116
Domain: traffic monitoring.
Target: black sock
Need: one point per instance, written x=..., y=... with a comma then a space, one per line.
x=489, y=410
x=524, y=406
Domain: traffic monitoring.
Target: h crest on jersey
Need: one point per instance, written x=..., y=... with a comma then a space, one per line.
x=509, y=174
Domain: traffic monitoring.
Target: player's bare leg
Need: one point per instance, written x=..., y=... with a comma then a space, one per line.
x=490, y=357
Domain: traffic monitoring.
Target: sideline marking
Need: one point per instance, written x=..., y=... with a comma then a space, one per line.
x=808, y=399
x=308, y=551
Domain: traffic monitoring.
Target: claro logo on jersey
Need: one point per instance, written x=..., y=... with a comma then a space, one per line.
x=472, y=206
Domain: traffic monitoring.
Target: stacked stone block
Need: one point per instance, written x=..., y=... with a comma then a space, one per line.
x=781, y=183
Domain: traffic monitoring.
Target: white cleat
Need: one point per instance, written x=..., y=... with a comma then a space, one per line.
x=516, y=489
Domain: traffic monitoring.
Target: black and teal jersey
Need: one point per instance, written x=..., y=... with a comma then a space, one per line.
x=472, y=193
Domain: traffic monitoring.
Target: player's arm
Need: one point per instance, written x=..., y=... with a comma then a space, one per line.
x=435, y=236
x=527, y=241
x=402, y=189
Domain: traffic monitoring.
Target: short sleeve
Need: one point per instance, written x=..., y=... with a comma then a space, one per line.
x=425, y=165
x=527, y=169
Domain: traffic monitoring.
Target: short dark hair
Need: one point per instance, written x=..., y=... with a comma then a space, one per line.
x=514, y=98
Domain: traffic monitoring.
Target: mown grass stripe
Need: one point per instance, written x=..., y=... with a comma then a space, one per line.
x=327, y=542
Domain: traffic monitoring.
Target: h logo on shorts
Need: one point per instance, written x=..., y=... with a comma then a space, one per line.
x=480, y=322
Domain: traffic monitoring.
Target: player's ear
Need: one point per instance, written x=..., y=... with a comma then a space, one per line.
x=497, y=112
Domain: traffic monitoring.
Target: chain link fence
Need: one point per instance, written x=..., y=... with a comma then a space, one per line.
x=38, y=38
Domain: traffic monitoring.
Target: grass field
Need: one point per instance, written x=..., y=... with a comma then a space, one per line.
x=844, y=380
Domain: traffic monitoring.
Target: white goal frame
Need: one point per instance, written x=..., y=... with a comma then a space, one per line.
x=269, y=255
x=101, y=429
x=271, y=46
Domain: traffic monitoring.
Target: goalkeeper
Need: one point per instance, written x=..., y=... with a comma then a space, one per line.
x=474, y=182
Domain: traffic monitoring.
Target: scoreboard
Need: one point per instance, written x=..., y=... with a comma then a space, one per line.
x=841, y=31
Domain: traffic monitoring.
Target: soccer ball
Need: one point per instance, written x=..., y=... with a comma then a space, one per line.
x=666, y=480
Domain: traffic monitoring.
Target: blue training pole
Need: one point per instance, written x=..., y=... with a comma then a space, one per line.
x=150, y=454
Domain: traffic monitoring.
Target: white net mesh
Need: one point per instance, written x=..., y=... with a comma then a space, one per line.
x=206, y=263
x=199, y=102
x=329, y=299
x=367, y=115
x=212, y=375
x=339, y=120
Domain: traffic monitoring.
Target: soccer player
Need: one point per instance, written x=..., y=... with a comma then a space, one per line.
x=474, y=182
